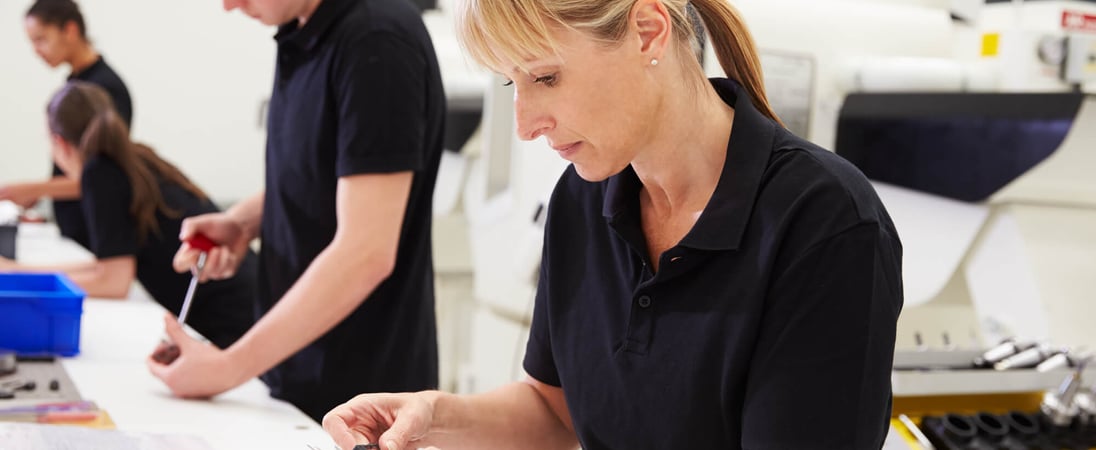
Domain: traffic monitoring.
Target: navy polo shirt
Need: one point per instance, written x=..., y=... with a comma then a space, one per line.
x=67, y=213
x=771, y=325
x=221, y=310
x=357, y=91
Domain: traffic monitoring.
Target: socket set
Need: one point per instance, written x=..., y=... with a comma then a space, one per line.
x=1011, y=431
x=1019, y=354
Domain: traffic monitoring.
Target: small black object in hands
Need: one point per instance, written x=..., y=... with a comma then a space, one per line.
x=166, y=352
x=367, y=447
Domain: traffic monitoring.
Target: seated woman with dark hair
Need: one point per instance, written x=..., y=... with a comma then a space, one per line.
x=134, y=203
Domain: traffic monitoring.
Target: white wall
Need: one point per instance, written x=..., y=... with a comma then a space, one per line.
x=197, y=76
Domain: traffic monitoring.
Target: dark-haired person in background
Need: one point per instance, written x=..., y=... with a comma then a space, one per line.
x=134, y=204
x=58, y=33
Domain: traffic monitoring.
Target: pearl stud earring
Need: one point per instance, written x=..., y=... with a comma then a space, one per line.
x=654, y=62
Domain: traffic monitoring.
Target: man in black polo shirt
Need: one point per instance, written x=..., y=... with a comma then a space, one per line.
x=346, y=276
x=57, y=31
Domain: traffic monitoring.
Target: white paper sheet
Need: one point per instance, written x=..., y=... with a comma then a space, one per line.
x=26, y=436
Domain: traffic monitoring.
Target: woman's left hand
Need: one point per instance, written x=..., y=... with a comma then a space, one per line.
x=201, y=370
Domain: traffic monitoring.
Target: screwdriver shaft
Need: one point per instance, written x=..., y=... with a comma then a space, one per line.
x=191, y=288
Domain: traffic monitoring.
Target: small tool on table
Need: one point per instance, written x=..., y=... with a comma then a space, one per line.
x=356, y=447
x=167, y=352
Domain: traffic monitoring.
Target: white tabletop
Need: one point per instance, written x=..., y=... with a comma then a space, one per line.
x=117, y=336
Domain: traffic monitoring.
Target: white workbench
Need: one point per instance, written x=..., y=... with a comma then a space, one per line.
x=115, y=338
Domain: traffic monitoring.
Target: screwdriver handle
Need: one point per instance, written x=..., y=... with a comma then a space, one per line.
x=200, y=242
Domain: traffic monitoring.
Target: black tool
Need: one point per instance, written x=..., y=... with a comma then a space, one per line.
x=167, y=352
x=19, y=385
x=367, y=447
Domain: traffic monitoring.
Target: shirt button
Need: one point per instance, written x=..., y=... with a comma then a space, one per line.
x=644, y=301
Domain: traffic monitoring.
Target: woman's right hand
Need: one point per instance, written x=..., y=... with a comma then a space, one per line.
x=392, y=420
x=223, y=260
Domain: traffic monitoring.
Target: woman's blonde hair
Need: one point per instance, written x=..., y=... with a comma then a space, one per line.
x=501, y=32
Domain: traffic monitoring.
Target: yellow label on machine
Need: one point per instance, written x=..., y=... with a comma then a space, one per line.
x=990, y=44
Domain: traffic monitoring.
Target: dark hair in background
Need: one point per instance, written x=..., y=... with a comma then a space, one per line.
x=83, y=115
x=58, y=13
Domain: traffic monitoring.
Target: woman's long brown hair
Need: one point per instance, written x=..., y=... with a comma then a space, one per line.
x=83, y=115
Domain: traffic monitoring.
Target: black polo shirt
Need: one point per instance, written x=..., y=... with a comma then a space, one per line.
x=102, y=75
x=357, y=91
x=770, y=325
x=70, y=218
x=222, y=311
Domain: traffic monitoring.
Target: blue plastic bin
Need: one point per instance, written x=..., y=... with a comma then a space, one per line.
x=40, y=314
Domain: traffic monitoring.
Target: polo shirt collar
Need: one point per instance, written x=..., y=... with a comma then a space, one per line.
x=76, y=75
x=724, y=220
x=307, y=37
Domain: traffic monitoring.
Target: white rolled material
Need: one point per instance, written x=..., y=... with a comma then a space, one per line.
x=903, y=74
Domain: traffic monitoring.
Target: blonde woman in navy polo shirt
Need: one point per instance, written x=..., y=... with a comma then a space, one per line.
x=709, y=280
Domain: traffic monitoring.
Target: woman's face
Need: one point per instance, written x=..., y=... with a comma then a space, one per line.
x=595, y=105
x=66, y=157
x=50, y=42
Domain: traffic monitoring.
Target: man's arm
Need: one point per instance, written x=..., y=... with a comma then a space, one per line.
x=370, y=210
x=249, y=214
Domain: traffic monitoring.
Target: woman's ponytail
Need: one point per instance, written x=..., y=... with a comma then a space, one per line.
x=107, y=136
x=735, y=48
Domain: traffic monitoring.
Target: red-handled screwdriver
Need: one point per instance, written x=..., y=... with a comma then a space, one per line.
x=167, y=352
x=202, y=243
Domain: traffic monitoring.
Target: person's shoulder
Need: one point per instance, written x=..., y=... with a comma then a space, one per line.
x=384, y=18
x=574, y=188
x=575, y=198
x=106, y=68
x=98, y=165
x=821, y=181
x=102, y=172
x=103, y=73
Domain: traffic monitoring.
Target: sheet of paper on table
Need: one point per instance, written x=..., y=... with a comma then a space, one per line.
x=19, y=436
